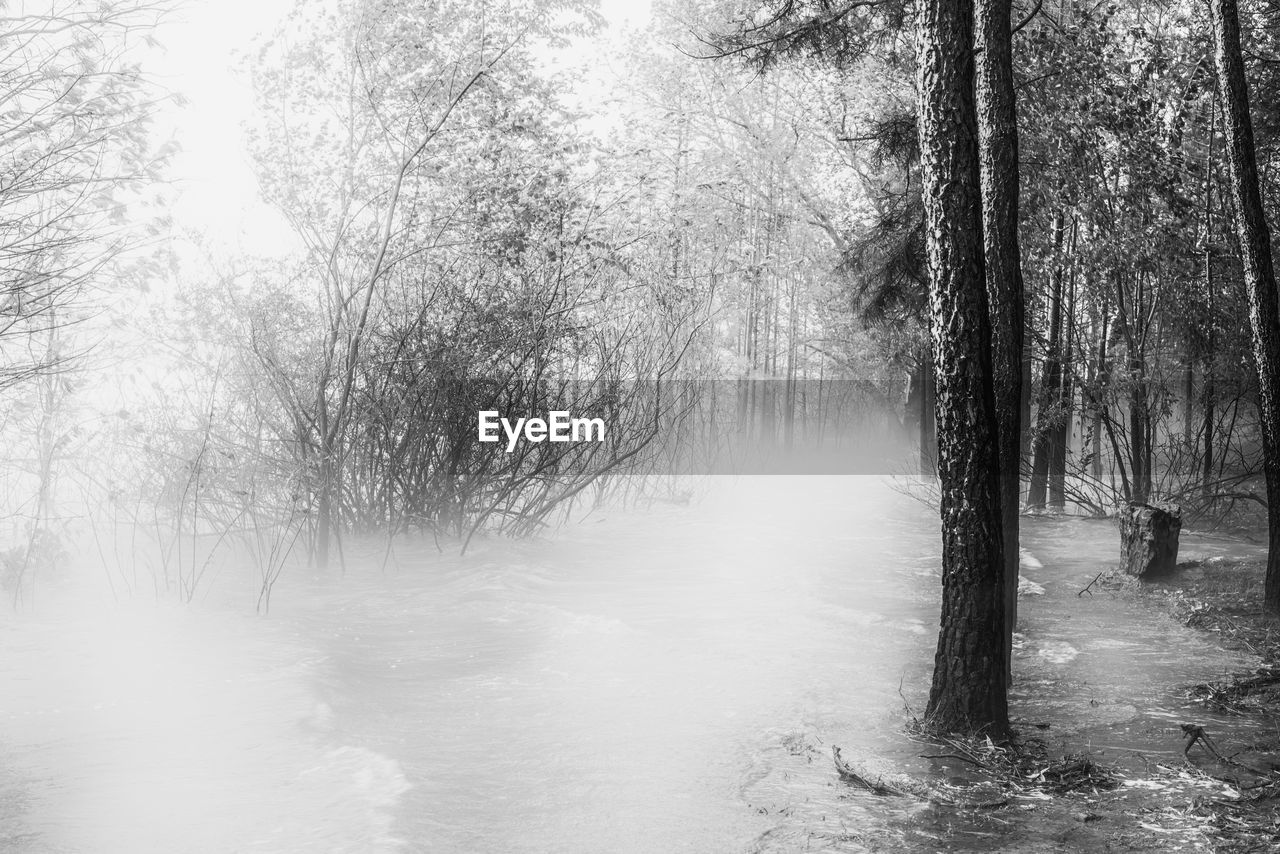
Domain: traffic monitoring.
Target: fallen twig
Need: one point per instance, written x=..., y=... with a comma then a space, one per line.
x=1090, y=584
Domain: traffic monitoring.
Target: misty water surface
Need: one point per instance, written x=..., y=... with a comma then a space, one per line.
x=664, y=679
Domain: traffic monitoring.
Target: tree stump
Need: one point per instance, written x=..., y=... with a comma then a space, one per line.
x=1149, y=538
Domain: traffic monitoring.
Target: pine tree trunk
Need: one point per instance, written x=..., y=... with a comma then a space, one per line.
x=1259, y=273
x=969, y=690
x=998, y=156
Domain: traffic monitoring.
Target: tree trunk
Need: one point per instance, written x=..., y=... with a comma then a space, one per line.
x=1129, y=313
x=1188, y=398
x=1211, y=324
x=1206, y=476
x=1149, y=539
x=1024, y=408
x=998, y=156
x=969, y=691
x=1097, y=401
x=324, y=513
x=1059, y=437
x=1060, y=431
x=1050, y=383
x=1208, y=391
x=1259, y=274
x=1139, y=427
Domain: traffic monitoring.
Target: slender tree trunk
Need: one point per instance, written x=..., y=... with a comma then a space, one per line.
x=1024, y=407
x=969, y=691
x=1139, y=426
x=1210, y=338
x=1059, y=439
x=1097, y=401
x=324, y=501
x=998, y=156
x=1259, y=274
x=324, y=517
x=1050, y=383
x=1060, y=431
x=1188, y=399
x=1208, y=392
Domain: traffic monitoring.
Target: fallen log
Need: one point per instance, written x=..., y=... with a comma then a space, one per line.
x=903, y=785
x=863, y=779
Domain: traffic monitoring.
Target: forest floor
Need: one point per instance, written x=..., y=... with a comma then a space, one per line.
x=1224, y=793
x=1222, y=598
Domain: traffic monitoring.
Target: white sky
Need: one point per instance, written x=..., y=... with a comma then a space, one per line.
x=216, y=192
x=216, y=189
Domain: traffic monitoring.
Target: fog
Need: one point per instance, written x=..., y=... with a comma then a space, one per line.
x=669, y=677
x=274, y=274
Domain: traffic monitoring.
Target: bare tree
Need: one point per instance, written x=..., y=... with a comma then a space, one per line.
x=74, y=151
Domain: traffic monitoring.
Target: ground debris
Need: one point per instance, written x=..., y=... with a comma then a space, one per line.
x=1074, y=773
x=1224, y=597
x=1240, y=694
x=1250, y=823
x=1238, y=790
x=1025, y=766
x=1011, y=770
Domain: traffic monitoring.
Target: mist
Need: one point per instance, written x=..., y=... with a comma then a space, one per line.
x=556, y=427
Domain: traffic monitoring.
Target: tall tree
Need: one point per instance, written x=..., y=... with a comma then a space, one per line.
x=969, y=690
x=1259, y=272
x=998, y=155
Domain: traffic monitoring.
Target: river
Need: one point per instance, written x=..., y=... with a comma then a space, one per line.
x=662, y=679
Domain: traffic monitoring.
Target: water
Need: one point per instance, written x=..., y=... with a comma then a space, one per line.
x=662, y=681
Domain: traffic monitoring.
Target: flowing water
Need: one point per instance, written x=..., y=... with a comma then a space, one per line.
x=663, y=680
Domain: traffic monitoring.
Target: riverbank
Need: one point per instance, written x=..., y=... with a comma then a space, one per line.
x=1115, y=679
x=1222, y=793
x=1222, y=597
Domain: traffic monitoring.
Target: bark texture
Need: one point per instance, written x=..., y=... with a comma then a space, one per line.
x=1149, y=539
x=998, y=156
x=969, y=690
x=1259, y=273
